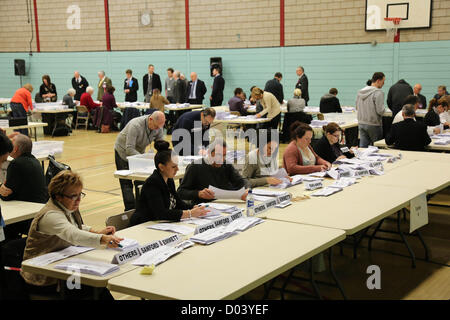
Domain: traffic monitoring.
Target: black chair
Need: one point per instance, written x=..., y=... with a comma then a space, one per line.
x=290, y=118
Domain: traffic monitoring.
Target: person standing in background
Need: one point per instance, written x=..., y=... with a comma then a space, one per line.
x=151, y=81
x=216, y=97
x=275, y=87
x=423, y=101
x=169, y=85
x=21, y=103
x=397, y=94
x=195, y=91
x=130, y=87
x=302, y=83
x=102, y=84
x=79, y=83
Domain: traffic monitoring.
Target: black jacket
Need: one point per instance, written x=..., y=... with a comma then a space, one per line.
x=423, y=101
x=26, y=179
x=397, y=95
x=154, y=201
x=200, y=176
x=187, y=121
x=409, y=135
x=302, y=84
x=179, y=91
x=329, y=103
x=329, y=152
x=156, y=83
x=200, y=91
x=43, y=89
x=431, y=119
x=132, y=95
x=217, y=91
x=276, y=88
x=80, y=88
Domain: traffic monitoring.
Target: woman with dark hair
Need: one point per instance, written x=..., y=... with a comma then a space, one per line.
x=104, y=115
x=47, y=91
x=299, y=157
x=328, y=147
x=435, y=109
x=159, y=200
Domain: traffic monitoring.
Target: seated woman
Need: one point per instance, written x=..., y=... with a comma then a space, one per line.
x=435, y=109
x=59, y=225
x=261, y=163
x=157, y=101
x=299, y=157
x=297, y=103
x=47, y=91
x=104, y=114
x=68, y=98
x=328, y=147
x=159, y=200
x=86, y=100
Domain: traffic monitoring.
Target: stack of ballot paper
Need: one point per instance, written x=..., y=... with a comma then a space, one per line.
x=269, y=193
x=325, y=192
x=127, y=244
x=157, y=256
x=217, y=208
x=184, y=230
x=243, y=224
x=343, y=182
x=333, y=173
x=442, y=141
x=95, y=268
x=51, y=257
x=213, y=235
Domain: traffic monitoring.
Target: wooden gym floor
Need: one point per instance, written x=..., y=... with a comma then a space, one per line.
x=92, y=155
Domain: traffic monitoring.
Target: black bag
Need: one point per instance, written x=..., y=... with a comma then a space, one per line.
x=13, y=286
x=61, y=131
x=54, y=167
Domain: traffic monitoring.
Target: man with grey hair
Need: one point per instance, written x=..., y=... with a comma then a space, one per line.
x=302, y=83
x=423, y=101
x=409, y=134
x=139, y=133
x=102, y=84
x=79, y=83
x=179, y=88
x=195, y=90
x=212, y=171
x=25, y=180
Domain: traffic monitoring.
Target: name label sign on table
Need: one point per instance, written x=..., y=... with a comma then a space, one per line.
x=418, y=213
x=219, y=222
x=136, y=252
x=313, y=185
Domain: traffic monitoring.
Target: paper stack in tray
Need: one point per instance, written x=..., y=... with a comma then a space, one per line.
x=96, y=268
x=184, y=230
x=213, y=235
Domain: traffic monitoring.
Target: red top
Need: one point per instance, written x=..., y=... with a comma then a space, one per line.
x=23, y=96
x=86, y=100
x=293, y=161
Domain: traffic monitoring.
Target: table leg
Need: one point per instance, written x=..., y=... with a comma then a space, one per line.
x=411, y=252
x=333, y=274
x=312, y=279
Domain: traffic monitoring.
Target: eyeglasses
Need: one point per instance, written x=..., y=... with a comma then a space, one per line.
x=75, y=197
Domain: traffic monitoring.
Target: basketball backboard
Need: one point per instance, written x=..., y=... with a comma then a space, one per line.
x=414, y=13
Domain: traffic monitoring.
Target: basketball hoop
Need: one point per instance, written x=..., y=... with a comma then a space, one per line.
x=392, y=28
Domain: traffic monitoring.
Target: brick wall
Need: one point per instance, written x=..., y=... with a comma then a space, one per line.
x=234, y=23
x=53, y=31
x=167, y=30
x=213, y=24
x=15, y=31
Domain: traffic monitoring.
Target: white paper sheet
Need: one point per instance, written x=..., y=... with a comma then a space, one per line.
x=88, y=266
x=227, y=194
x=325, y=192
x=184, y=230
x=51, y=257
x=123, y=172
x=157, y=256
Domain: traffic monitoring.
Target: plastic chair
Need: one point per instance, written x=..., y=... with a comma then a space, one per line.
x=120, y=221
x=82, y=114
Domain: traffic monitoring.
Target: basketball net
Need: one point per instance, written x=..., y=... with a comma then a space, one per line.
x=392, y=28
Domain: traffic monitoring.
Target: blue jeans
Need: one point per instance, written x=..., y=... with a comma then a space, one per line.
x=369, y=134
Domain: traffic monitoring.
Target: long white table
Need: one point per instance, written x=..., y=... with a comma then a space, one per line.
x=432, y=146
x=232, y=267
x=30, y=125
x=16, y=211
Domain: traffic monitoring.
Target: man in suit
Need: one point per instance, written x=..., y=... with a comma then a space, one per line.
x=79, y=83
x=302, y=83
x=409, y=134
x=130, y=87
x=275, y=87
x=151, y=81
x=102, y=84
x=179, y=88
x=195, y=91
x=397, y=95
x=217, y=88
x=422, y=100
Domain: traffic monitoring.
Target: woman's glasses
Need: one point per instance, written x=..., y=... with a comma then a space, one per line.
x=75, y=197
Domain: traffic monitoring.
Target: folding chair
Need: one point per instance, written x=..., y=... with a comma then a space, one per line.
x=82, y=114
x=120, y=221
